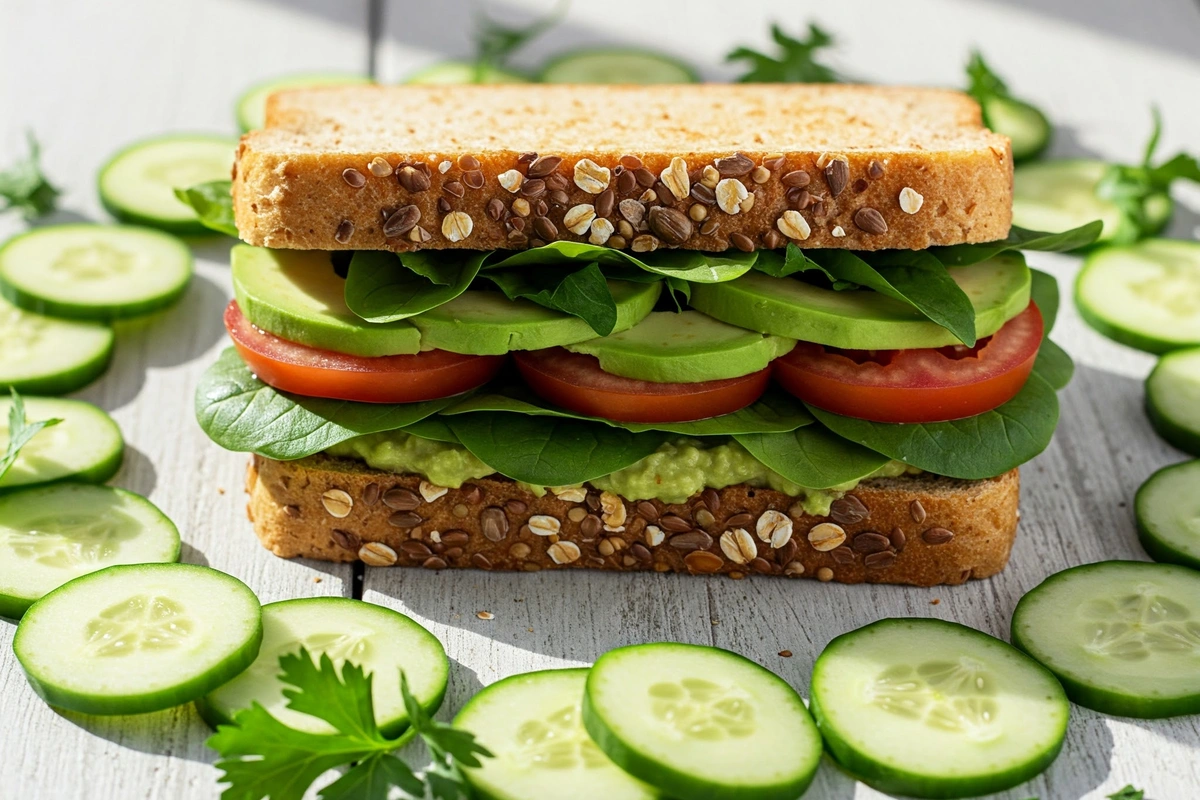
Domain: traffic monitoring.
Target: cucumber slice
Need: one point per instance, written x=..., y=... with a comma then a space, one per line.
x=685, y=347
x=251, y=109
x=44, y=355
x=626, y=66
x=1057, y=196
x=138, y=638
x=1143, y=295
x=1167, y=507
x=1025, y=126
x=51, y=534
x=927, y=708
x=698, y=721
x=94, y=272
x=381, y=641
x=297, y=295
x=463, y=72
x=532, y=725
x=486, y=323
x=138, y=184
x=86, y=446
x=998, y=288
x=1173, y=399
x=1121, y=636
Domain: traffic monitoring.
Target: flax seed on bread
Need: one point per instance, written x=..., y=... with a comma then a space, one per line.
x=921, y=530
x=500, y=167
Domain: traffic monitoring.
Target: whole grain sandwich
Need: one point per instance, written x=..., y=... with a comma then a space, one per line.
x=774, y=330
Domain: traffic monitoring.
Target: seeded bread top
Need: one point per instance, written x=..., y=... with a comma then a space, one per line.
x=697, y=166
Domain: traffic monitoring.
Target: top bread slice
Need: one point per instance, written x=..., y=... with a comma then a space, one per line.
x=702, y=167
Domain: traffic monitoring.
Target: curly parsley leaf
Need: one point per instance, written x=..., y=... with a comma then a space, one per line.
x=213, y=204
x=795, y=62
x=20, y=431
x=1127, y=793
x=24, y=188
x=373, y=778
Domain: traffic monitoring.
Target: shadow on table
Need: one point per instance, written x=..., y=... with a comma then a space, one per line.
x=176, y=732
x=137, y=472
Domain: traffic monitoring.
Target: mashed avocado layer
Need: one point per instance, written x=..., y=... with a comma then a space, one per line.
x=678, y=469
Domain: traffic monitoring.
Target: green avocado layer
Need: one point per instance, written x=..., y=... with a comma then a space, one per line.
x=672, y=474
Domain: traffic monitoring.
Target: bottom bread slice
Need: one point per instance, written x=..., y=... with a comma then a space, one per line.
x=921, y=530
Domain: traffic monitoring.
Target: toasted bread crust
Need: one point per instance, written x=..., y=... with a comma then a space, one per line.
x=920, y=530
x=290, y=193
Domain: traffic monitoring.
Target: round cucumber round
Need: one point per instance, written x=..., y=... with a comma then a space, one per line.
x=297, y=295
x=1121, y=636
x=998, y=288
x=94, y=272
x=138, y=638
x=927, y=708
x=617, y=65
x=1143, y=295
x=86, y=446
x=1173, y=399
x=699, y=721
x=1025, y=126
x=485, y=323
x=463, y=72
x=251, y=109
x=685, y=347
x=45, y=355
x=532, y=725
x=1167, y=507
x=52, y=534
x=1060, y=195
x=381, y=641
x=138, y=184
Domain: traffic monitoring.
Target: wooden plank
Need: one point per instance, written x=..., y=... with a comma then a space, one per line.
x=90, y=78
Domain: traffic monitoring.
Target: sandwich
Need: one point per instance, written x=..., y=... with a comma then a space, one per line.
x=781, y=330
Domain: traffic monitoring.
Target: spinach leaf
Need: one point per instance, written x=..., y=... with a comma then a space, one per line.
x=812, y=456
x=381, y=287
x=982, y=446
x=795, y=63
x=584, y=293
x=213, y=204
x=688, y=265
x=550, y=451
x=433, y=428
x=1054, y=365
x=239, y=412
x=961, y=255
x=1044, y=292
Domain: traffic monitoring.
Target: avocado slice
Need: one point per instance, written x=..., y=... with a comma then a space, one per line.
x=487, y=323
x=296, y=295
x=684, y=347
x=860, y=319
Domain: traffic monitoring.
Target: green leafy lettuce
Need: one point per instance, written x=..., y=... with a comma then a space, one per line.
x=213, y=204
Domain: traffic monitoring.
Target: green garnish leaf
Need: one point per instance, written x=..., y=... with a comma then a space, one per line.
x=1043, y=290
x=812, y=456
x=24, y=188
x=387, y=287
x=1133, y=188
x=982, y=82
x=496, y=43
x=961, y=255
x=1054, y=365
x=20, y=432
x=213, y=204
x=684, y=265
x=583, y=293
x=796, y=61
x=372, y=779
x=1127, y=793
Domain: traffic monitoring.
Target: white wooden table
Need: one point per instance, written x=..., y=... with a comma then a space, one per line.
x=89, y=76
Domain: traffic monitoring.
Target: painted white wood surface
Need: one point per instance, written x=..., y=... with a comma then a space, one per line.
x=91, y=76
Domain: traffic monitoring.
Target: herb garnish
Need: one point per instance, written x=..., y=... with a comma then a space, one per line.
x=1127, y=793
x=23, y=186
x=796, y=62
x=213, y=204
x=1132, y=188
x=262, y=757
x=20, y=431
x=495, y=43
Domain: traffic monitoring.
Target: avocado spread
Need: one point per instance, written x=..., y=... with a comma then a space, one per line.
x=678, y=470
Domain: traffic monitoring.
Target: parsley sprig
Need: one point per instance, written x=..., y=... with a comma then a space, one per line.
x=496, y=43
x=20, y=431
x=24, y=188
x=796, y=61
x=264, y=758
x=1132, y=188
x=1127, y=793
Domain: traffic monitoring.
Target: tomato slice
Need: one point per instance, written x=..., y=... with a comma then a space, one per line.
x=576, y=382
x=304, y=370
x=929, y=385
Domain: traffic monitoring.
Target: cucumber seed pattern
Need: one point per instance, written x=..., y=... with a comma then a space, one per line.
x=93, y=262
x=557, y=742
x=138, y=623
x=1134, y=626
x=954, y=696
x=701, y=709
x=21, y=332
x=67, y=540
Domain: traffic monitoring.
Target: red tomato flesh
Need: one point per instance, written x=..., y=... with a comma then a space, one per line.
x=307, y=371
x=927, y=385
x=576, y=382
